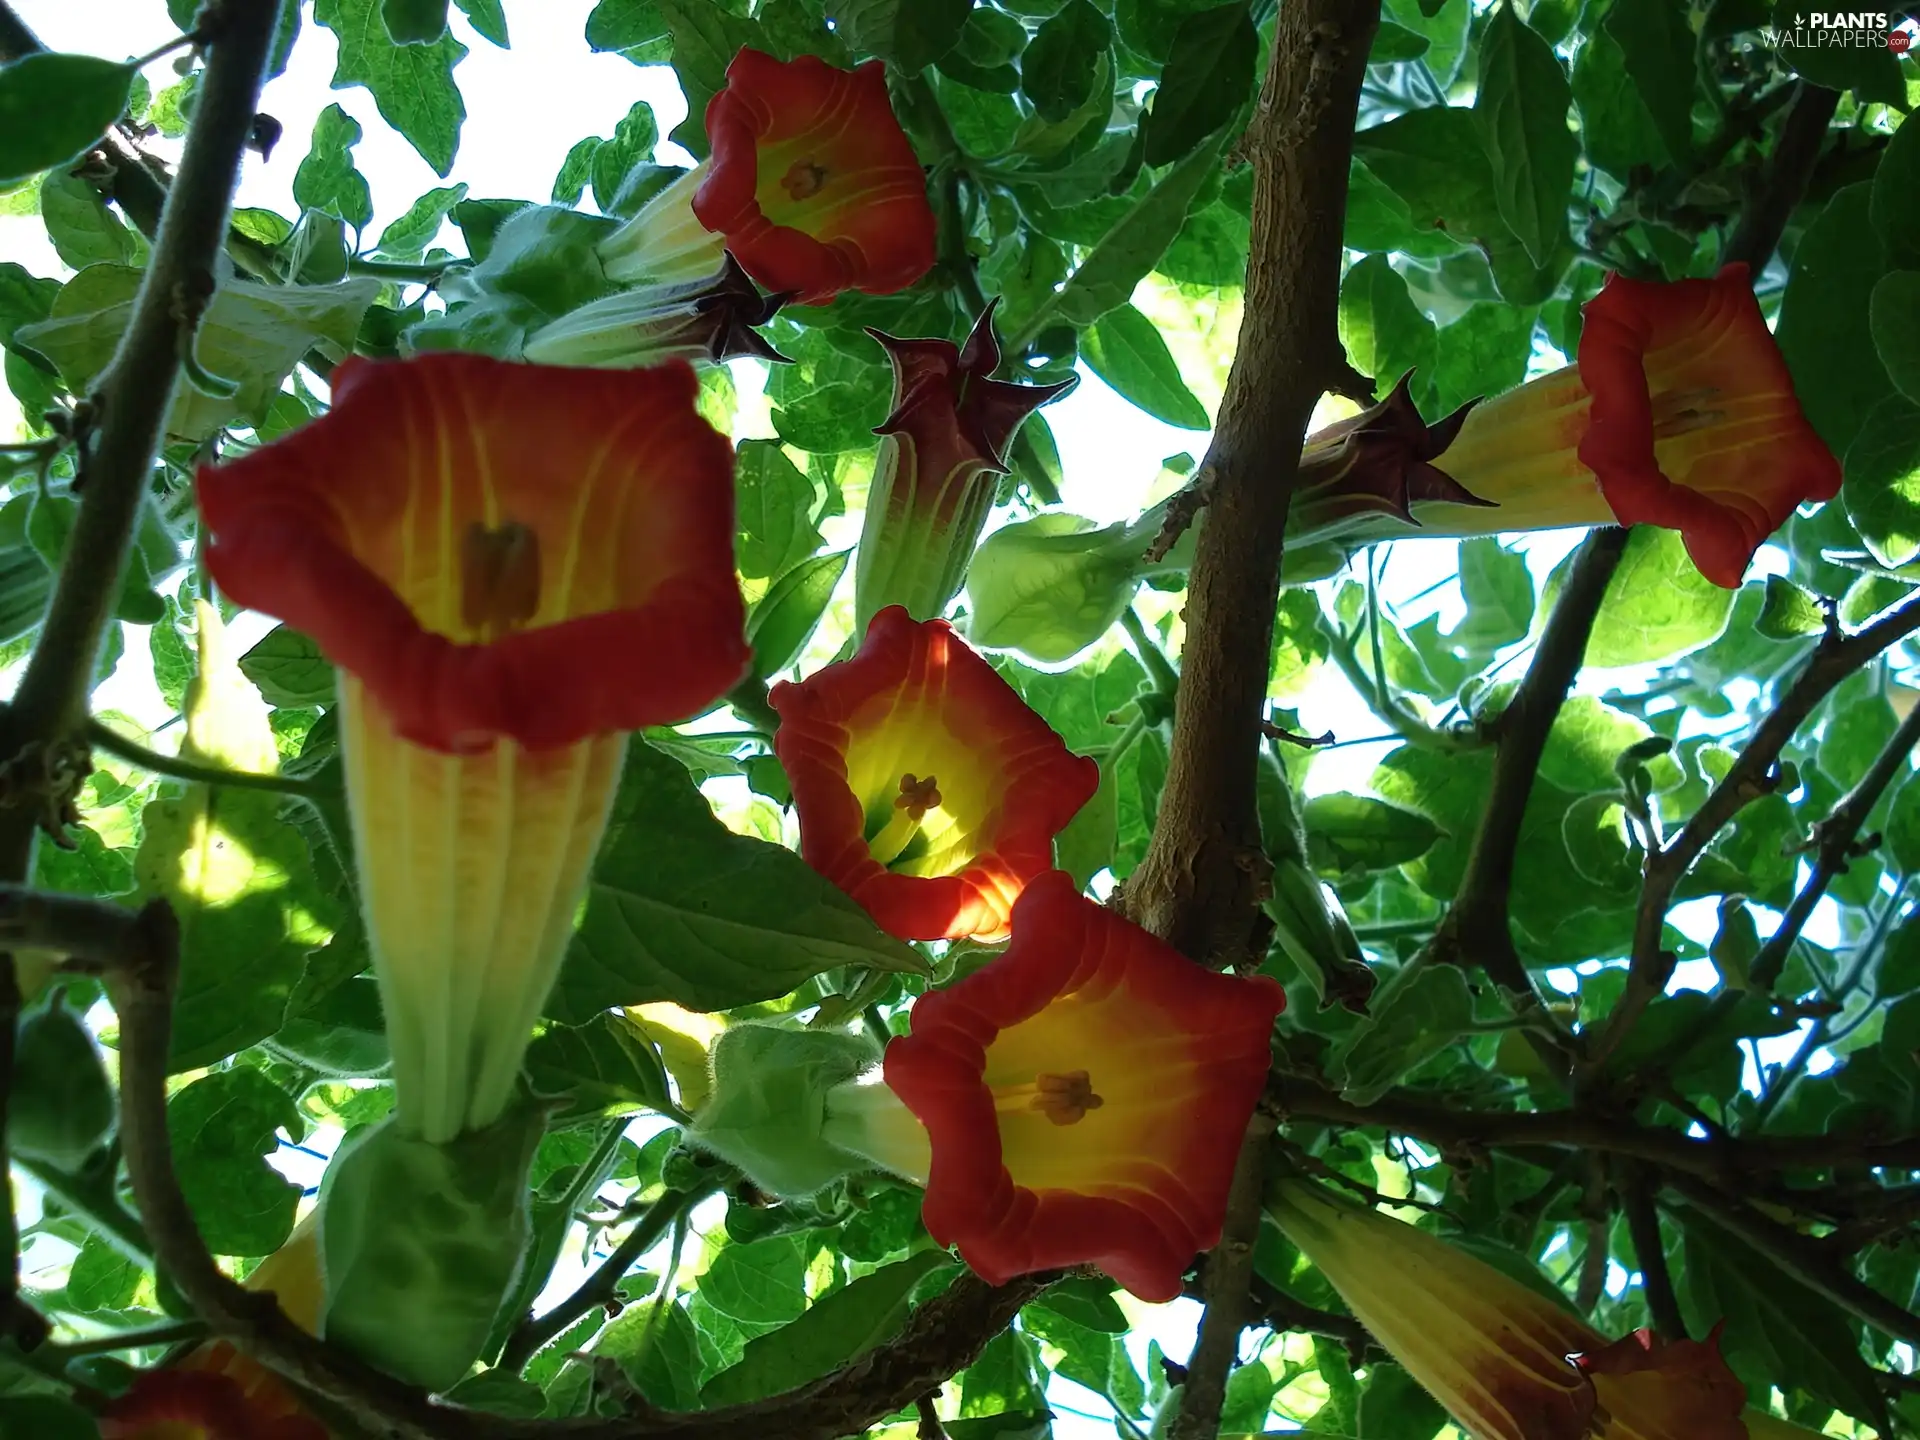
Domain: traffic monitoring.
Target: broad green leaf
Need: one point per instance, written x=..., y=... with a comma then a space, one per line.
x=1124, y=349
x=253, y=334
x=1894, y=313
x=1136, y=242
x=632, y=144
x=909, y=34
x=102, y=1278
x=1616, y=127
x=1208, y=75
x=1659, y=49
x=488, y=18
x=289, y=669
x=790, y=611
x=1444, y=28
x=761, y=1282
x=1903, y=829
x=222, y=1129
x=1498, y=590
x=1895, y=206
x=409, y=236
x=237, y=875
x=53, y=107
x=1658, y=606
x=414, y=22
x=633, y=29
x=1358, y=832
x=1790, y=611
x=1882, y=486
x=1393, y=44
x=607, y=1065
x=705, y=40
x=680, y=908
x=412, y=84
x=1483, y=353
x=1825, y=330
x=1871, y=71
x=1061, y=64
x=774, y=504
x=835, y=1329
x=1384, y=332
x=1522, y=109
x=83, y=230
x=1089, y=1357
x=1087, y=1302
x=342, y=1032
x=1393, y=1406
x=327, y=179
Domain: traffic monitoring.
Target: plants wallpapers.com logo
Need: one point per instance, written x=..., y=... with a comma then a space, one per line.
x=1895, y=30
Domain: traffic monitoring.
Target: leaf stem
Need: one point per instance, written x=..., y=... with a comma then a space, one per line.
x=1146, y=645
x=103, y=736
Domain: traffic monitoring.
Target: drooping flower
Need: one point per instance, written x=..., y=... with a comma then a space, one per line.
x=926, y=788
x=708, y=319
x=942, y=448
x=1507, y=1361
x=199, y=1405
x=1680, y=412
x=512, y=566
x=1083, y=1097
x=292, y=1274
x=812, y=184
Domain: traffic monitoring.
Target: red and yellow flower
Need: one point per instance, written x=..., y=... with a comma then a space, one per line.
x=943, y=448
x=812, y=185
x=1680, y=412
x=202, y=1405
x=1507, y=1361
x=926, y=789
x=512, y=566
x=1083, y=1097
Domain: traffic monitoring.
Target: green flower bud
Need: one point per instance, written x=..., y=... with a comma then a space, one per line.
x=768, y=1109
x=421, y=1243
x=61, y=1108
x=1053, y=585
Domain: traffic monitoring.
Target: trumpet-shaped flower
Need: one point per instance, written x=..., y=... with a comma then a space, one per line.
x=707, y=319
x=812, y=185
x=1083, y=1097
x=1680, y=412
x=202, y=1405
x=1507, y=1361
x=512, y=566
x=926, y=788
x=942, y=450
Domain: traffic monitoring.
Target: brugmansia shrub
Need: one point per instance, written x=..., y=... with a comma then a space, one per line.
x=750, y=848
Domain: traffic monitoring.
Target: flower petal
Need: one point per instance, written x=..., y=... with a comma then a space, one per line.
x=812, y=181
x=1177, y=1055
x=916, y=701
x=352, y=529
x=193, y=1404
x=1653, y=1390
x=1694, y=422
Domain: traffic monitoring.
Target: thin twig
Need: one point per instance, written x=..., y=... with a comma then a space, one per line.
x=1226, y=1287
x=1649, y=1252
x=102, y=736
x=92, y=932
x=1802, y=135
x=1146, y=645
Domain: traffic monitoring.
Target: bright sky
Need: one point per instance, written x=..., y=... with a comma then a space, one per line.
x=526, y=108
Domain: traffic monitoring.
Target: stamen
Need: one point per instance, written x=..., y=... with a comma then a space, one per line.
x=499, y=578
x=1063, y=1099
x=803, y=180
x=917, y=796
x=1680, y=411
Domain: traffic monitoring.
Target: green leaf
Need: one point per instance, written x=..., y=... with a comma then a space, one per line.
x=835, y=1329
x=1061, y=63
x=790, y=611
x=1207, y=78
x=1522, y=109
x=607, y=1065
x=54, y=107
x=253, y=334
x=222, y=1129
x=1357, y=832
x=1659, y=48
x=327, y=179
x=1825, y=330
x=1484, y=352
x=1902, y=833
x=1086, y=1302
x=705, y=40
x=1617, y=128
x=1393, y=44
x=1882, y=486
x=1895, y=206
x=632, y=29
x=680, y=908
x=632, y=144
x=414, y=22
x=1498, y=589
x=909, y=34
x=1124, y=349
x=774, y=505
x=761, y=1282
x=83, y=230
x=289, y=669
x=408, y=237
x=1789, y=612
x=102, y=1278
x=1135, y=243
x=1089, y=1357
x=412, y=84
x=1872, y=72
x=1894, y=314
x=1384, y=332
x=488, y=18
x=1658, y=606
